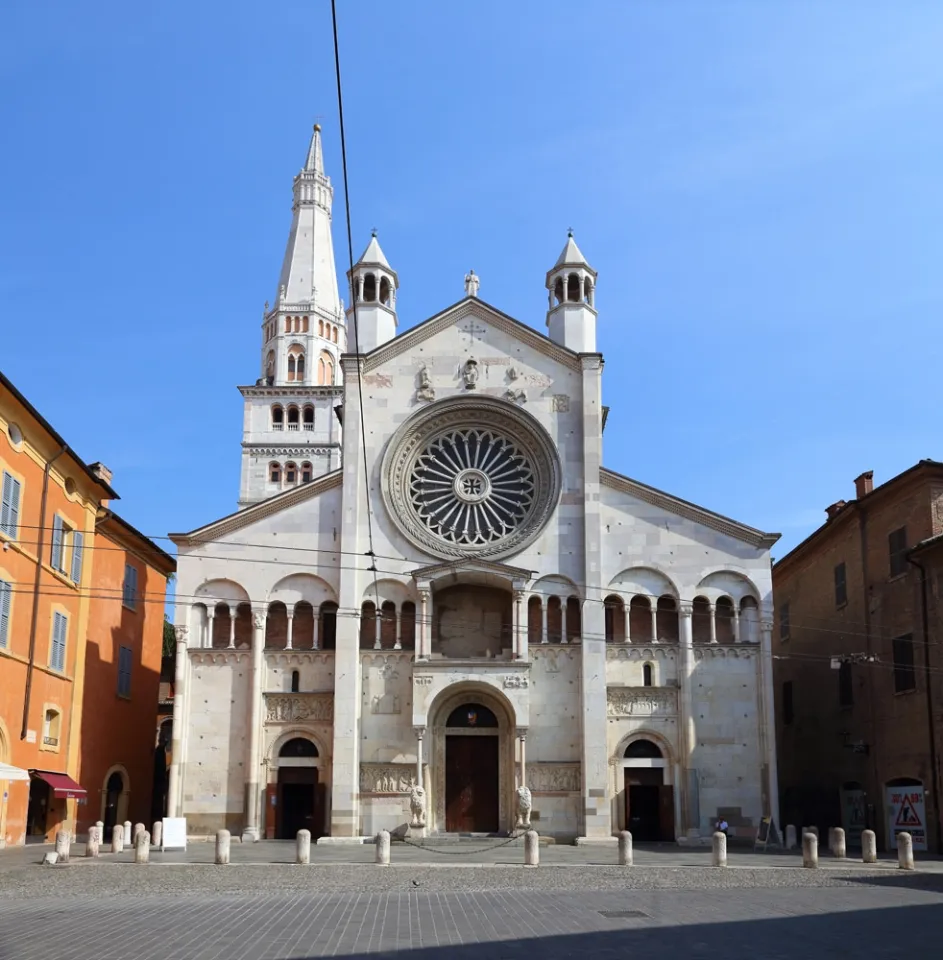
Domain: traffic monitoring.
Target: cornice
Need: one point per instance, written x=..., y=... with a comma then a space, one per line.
x=259, y=511
x=690, y=511
x=301, y=390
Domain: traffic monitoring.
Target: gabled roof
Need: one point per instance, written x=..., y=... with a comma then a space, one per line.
x=690, y=511
x=471, y=565
x=258, y=511
x=452, y=315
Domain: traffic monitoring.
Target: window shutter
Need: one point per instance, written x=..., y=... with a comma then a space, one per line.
x=56, y=557
x=57, y=660
x=6, y=600
x=10, y=509
x=78, y=541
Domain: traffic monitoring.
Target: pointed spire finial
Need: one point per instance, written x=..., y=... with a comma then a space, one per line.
x=569, y=231
x=373, y=232
x=314, y=162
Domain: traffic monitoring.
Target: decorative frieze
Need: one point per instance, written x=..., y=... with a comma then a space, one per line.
x=516, y=681
x=203, y=657
x=553, y=777
x=288, y=708
x=560, y=403
x=715, y=651
x=641, y=702
x=387, y=777
x=626, y=651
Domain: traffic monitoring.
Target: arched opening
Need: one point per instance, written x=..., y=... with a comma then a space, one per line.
x=291, y=368
x=573, y=288
x=723, y=619
x=291, y=472
x=385, y=291
x=298, y=747
x=534, y=620
x=649, y=801
x=300, y=797
x=407, y=625
x=115, y=803
x=667, y=617
x=302, y=626
x=554, y=620
x=222, y=626
x=640, y=620
x=278, y=417
x=558, y=290
x=329, y=373
x=274, y=472
x=307, y=472
x=749, y=621
x=287, y=324
x=300, y=367
x=321, y=371
x=648, y=674
x=270, y=365
x=295, y=681
x=320, y=328
x=243, y=630
x=643, y=750
x=334, y=335
x=292, y=418
x=701, y=620
x=574, y=620
x=471, y=770
x=328, y=631
x=368, y=625
x=304, y=324
x=615, y=619
x=276, y=626
x=369, y=287
x=388, y=624
x=588, y=291
x=309, y=417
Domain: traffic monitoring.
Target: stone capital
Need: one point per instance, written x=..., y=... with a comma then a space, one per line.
x=521, y=733
x=181, y=631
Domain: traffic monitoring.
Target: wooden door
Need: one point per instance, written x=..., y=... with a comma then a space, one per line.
x=271, y=809
x=666, y=812
x=471, y=784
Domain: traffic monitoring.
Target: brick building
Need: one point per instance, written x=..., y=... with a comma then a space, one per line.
x=858, y=673
x=62, y=616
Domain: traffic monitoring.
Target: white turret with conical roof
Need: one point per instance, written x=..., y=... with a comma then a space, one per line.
x=571, y=314
x=373, y=284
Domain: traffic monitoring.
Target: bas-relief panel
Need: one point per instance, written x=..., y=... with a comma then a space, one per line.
x=553, y=732
x=299, y=707
x=641, y=702
x=553, y=777
x=387, y=778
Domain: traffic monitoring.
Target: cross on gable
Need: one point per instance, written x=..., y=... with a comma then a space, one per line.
x=473, y=331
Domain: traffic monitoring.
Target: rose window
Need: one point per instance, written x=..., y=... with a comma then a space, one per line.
x=472, y=487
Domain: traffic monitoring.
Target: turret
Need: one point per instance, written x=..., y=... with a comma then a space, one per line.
x=373, y=288
x=571, y=314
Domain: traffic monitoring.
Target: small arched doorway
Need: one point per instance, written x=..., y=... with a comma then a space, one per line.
x=299, y=797
x=114, y=794
x=471, y=770
x=649, y=801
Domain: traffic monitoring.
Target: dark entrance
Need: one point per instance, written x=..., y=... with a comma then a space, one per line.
x=649, y=802
x=112, y=793
x=471, y=771
x=40, y=796
x=298, y=802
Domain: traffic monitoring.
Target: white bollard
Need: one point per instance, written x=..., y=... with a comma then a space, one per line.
x=383, y=848
x=101, y=830
x=836, y=842
x=810, y=850
x=92, y=845
x=128, y=837
x=719, y=850
x=142, y=847
x=117, y=838
x=531, y=848
x=791, y=842
x=223, y=838
x=303, y=847
x=869, y=846
x=905, y=851
x=157, y=833
x=138, y=829
x=63, y=843
x=625, y=849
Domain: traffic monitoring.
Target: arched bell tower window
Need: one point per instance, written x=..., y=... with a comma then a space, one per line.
x=308, y=417
x=292, y=418
x=385, y=291
x=291, y=473
x=278, y=417
x=334, y=335
x=274, y=472
x=558, y=290
x=573, y=288
x=306, y=472
x=369, y=287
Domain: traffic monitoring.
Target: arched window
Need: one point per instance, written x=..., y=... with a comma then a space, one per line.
x=243, y=631
x=554, y=620
x=270, y=364
x=388, y=624
x=304, y=324
x=327, y=332
x=749, y=621
x=574, y=620
x=369, y=287
x=320, y=328
x=701, y=620
x=278, y=417
x=291, y=472
x=368, y=625
x=615, y=619
x=385, y=291
x=302, y=626
x=588, y=291
x=308, y=417
x=292, y=418
x=667, y=615
x=274, y=472
x=321, y=370
x=558, y=290
x=334, y=335
x=300, y=369
x=647, y=672
x=222, y=619
x=328, y=631
x=407, y=625
x=276, y=626
x=298, y=747
x=287, y=324
x=573, y=288
x=295, y=681
x=640, y=620
x=535, y=627
x=291, y=368
x=306, y=472
x=723, y=620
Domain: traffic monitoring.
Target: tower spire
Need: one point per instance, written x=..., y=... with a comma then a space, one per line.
x=314, y=163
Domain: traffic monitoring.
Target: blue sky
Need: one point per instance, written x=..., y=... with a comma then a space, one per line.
x=757, y=183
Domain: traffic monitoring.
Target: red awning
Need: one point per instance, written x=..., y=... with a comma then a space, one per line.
x=62, y=785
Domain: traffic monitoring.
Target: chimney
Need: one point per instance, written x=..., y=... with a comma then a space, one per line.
x=834, y=509
x=101, y=471
x=864, y=484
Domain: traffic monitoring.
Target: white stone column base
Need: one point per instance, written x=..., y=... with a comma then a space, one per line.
x=596, y=841
x=343, y=841
x=250, y=835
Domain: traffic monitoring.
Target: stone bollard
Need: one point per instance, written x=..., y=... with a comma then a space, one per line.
x=836, y=842
x=157, y=833
x=101, y=831
x=63, y=843
x=810, y=850
x=138, y=829
x=92, y=845
x=303, y=847
x=142, y=847
x=719, y=850
x=791, y=842
x=128, y=838
x=222, y=847
x=905, y=851
x=625, y=849
x=869, y=846
x=117, y=838
x=383, y=848
x=531, y=848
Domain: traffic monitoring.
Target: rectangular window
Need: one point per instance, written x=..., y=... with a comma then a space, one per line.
x=904, y=676
x=129, y=590
x=10, y=505
x=124, y=671
x=846, y=693
x=784, y=621
x=6, y=602
x=897, y=548
x=61, y=535
x=841, y=586
x=60, y=626
x=787, y=703
x=78, y=543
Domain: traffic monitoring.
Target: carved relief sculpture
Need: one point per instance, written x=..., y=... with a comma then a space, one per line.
x=643, y=701
x=524, y=805
x=516, y=396
x=426, y=391
x=417, y=806
x=553, y=777
x=470, y=373
x=515, y=681
x=318, y=708
x=387, y=777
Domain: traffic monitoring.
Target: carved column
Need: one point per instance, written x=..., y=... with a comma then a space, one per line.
x=420, y=733
x=232, y=627
x=425, y=605
x=377, y=625
x=315, y=628
x=713, y=622
x=253, y=757
x=519, y=641
x=735, y=624
x=654, y=603
x=291, y=620
x=210, y=616
x=174, y=792
x=522, y=739
x=398, y=645
x=687, y=741
x=544, y=608
x=628, y=620
x=564, y=607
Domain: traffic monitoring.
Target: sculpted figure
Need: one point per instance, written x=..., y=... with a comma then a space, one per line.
x=470, y=373
x=426, y=391
x=524, y=805
x=417, y=806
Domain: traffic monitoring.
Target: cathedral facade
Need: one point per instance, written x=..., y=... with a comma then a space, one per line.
x=436, y=610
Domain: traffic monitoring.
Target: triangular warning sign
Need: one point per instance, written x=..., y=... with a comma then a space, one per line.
x=907, y=816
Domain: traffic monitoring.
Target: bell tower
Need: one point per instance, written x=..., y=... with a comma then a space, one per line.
x=571, y=313
x=373, y=283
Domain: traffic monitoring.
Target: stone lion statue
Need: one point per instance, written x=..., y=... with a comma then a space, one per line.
x=524, y=805
x=417, y=806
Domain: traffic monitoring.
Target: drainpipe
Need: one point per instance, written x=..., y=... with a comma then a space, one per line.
x=39, y=572
x=932, y=728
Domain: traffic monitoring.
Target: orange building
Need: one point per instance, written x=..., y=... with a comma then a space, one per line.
x=60, y=628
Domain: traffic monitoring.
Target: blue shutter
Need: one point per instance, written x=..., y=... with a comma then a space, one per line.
x=6, y=599
x=77, y=545
x=10, y=508
x=55, y=558
x=59, y=626
x=124, y=671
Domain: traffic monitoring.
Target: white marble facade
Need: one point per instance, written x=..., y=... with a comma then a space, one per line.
x=527, y=617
